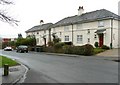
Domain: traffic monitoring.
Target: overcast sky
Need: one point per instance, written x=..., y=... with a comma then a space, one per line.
x=30, y=12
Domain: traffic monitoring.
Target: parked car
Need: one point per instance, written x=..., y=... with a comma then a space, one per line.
x=22, y=49
x=8, y=48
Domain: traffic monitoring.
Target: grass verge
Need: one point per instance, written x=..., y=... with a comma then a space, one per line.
x=4, y=60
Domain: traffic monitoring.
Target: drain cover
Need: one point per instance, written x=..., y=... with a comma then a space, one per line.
x=13, y=69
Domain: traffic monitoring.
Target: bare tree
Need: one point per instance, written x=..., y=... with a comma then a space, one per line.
x=3, y=15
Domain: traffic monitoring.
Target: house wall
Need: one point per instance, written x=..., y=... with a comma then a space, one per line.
x=83, y=30
x=39, y=37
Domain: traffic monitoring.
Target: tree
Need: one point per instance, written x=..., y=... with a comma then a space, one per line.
x=20, y=36
x=3, y=14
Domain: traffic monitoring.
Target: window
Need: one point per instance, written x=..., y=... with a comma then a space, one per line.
x=88, y=31
x=88, y=40
x=95, y=36
x=37, y=32
x=53, y=29
x=79, y=38
x=60, y=34
x=79, y=26
x=66, y=38
x=44, y=31
x=37, y=40
x=66, y=28
x=100, y=24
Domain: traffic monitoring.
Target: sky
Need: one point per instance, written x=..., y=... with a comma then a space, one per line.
x=30, y=12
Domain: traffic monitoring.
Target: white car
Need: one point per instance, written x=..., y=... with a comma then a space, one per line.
x=8, y=49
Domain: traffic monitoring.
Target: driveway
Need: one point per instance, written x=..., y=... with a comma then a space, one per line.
x=109, y=53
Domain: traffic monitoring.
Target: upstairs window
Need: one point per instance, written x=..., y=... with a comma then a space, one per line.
x=79, y=26
x=45, y=31
x=88, y=31
x=66, y=28
x=37, y=32
x=100, y=23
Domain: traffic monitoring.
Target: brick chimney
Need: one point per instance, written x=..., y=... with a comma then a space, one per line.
x=80, y=10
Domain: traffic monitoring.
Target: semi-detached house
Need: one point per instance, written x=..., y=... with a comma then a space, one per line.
x=85, y=28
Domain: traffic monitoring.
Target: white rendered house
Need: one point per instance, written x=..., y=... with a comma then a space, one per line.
x=87, y=28
x=41, y=33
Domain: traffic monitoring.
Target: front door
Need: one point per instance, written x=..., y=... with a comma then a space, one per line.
x=100, y=40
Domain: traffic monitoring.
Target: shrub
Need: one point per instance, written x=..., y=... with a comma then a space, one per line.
x=68, y=43
x=56, y=40
x=58, y=45
x=88, y=50
x=68, y=49
x=50, y=43
x=96, y=44
x=48, y=49
x=105, y=47
x=79, y=50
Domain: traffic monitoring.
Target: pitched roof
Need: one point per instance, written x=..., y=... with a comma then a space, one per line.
x=39, y=27
x=86, y=17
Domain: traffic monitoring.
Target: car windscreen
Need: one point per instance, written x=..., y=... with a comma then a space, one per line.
x=23, y=47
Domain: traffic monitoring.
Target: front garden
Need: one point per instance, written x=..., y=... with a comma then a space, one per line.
x=56, y=46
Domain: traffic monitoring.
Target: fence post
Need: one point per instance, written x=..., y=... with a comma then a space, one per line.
x=6, y=70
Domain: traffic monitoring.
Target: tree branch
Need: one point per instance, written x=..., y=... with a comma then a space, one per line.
x=5, y=18
x=5, y=2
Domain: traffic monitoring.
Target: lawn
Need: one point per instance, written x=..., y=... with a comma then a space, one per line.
x=5, y=60
x=98, y=50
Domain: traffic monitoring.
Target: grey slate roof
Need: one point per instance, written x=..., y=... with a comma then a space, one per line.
x=40, y=27
x=86, y=17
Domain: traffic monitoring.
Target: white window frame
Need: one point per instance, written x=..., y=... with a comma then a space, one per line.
x=66, y=28
x=88, y=40
x=79, y=38
x=66, y=38
x=88, y=31
x=37, y=40
x=79, y=26
x=101, y=23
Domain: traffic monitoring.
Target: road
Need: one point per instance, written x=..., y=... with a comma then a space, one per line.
x=60, y=69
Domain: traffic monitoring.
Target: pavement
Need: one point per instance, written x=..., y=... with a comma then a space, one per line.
x=110, y=53
x=17, y=73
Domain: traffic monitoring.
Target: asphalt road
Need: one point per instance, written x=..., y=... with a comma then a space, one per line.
x=60, y=69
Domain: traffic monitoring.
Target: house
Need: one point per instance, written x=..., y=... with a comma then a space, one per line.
x=41, y=33
x=87, y=28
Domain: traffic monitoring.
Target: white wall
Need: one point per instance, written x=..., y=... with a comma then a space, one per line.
x=93, y=26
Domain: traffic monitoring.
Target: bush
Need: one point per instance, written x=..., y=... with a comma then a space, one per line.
x=56, y=40
x=58, y=45
x=50, y=43
x=68, y=49
x=68, y=43
x=105, y=47
x=96, y=44
x=88, y=50
x=79, y=50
